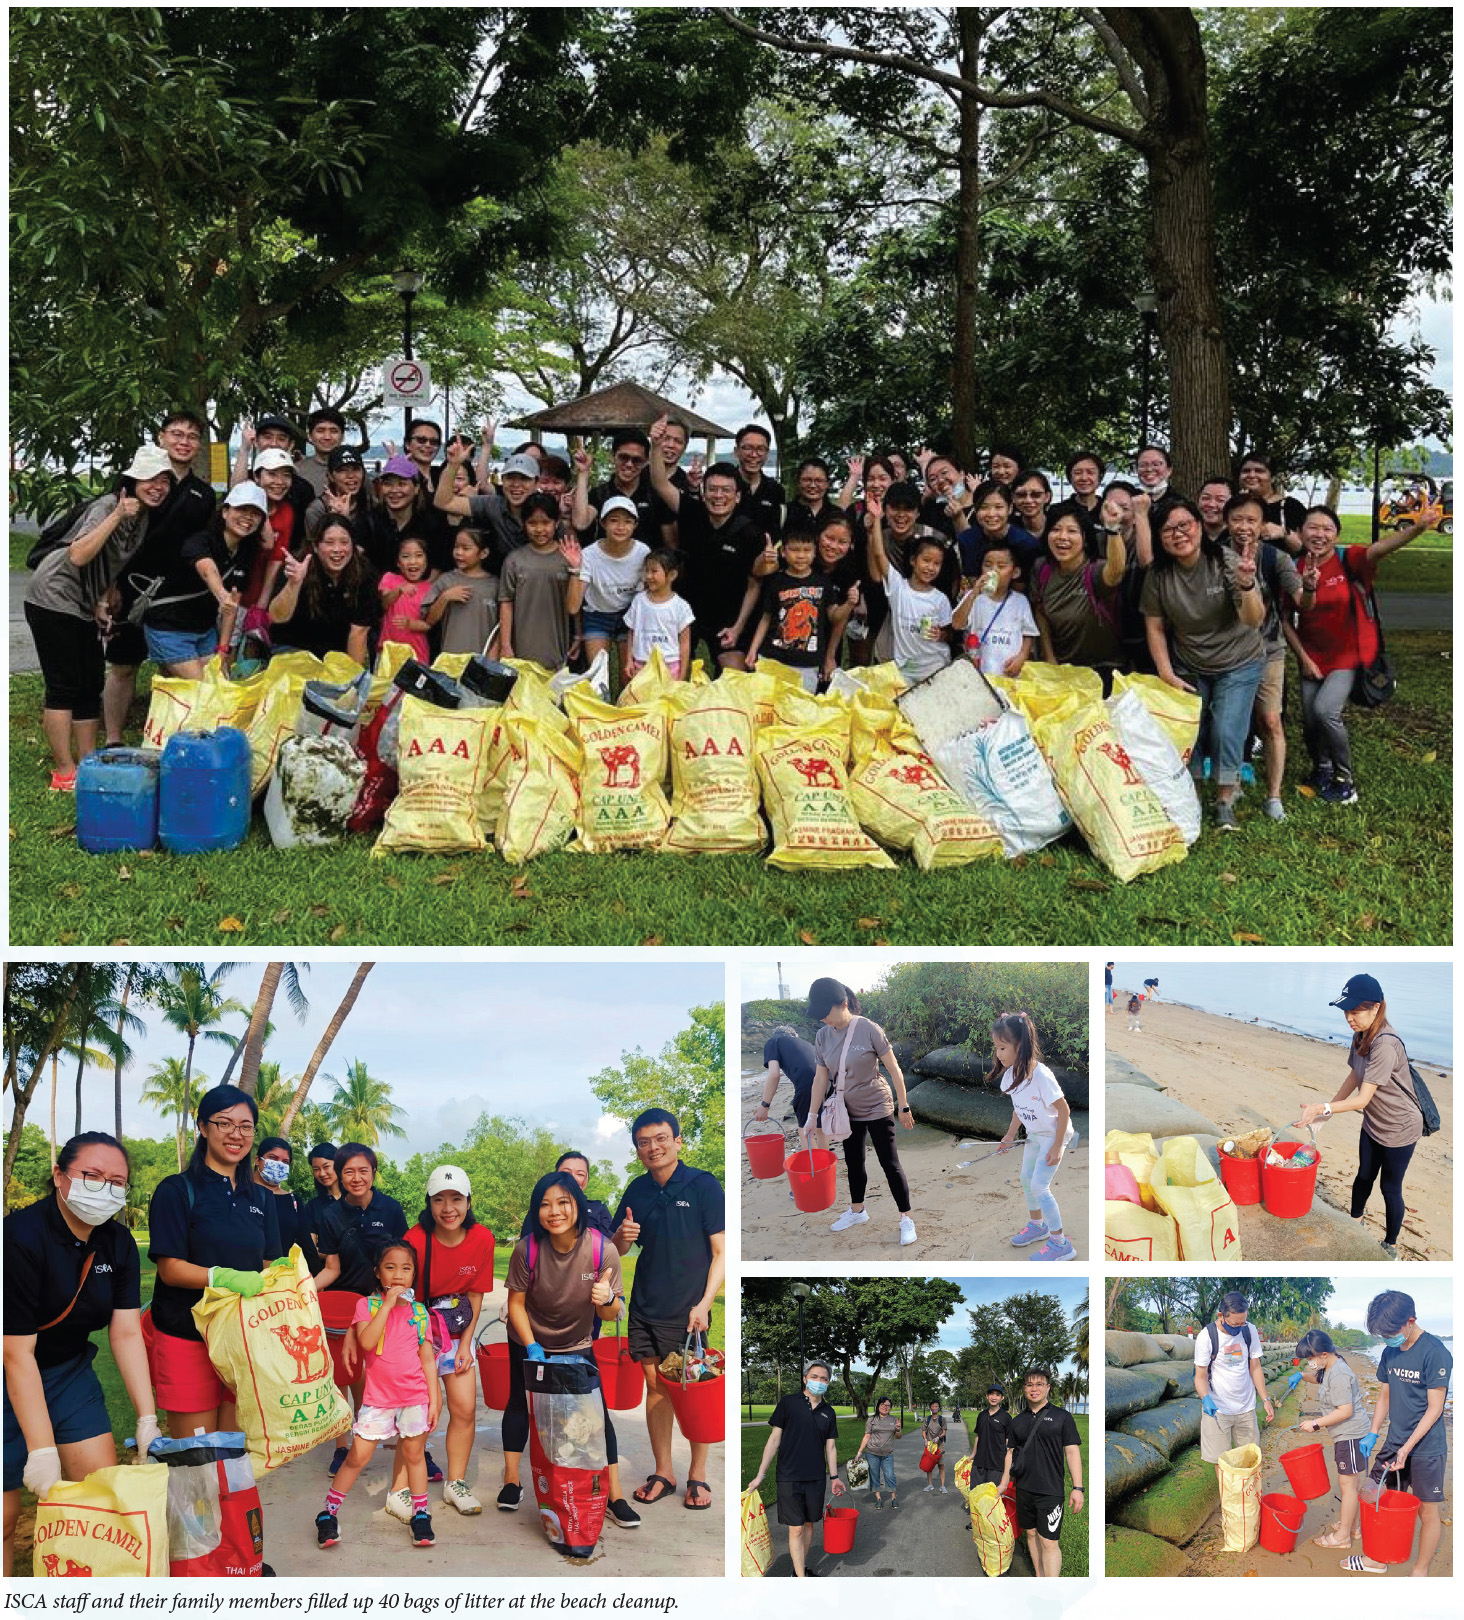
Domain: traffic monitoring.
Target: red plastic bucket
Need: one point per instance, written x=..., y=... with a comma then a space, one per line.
x=839, y=1527
x=1288, y=1193
x=1281, y=1517
x=620, y=1373
x=493, y=1374
x=1387, y=1527
x=700, y=1408
x=1241, y=1178
x=1306, y=1468
x=337, y=1310
x=811, y=1175
x=765, y=1153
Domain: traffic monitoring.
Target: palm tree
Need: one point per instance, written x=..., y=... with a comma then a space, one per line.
x=1080, y=1333
x=317, y=1057
x=166, y=1089
x=252, y=1044
x=192, y=1003
x=272, y=1096
x=361, y=1110
x=92, y=1014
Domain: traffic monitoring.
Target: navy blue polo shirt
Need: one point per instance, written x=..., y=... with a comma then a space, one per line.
x=43, y=1261
x=600, y=1218
x=356, y=1234
x=677, y=1224
x=226, y=1226
x=795, y=1057
x=294, y=1228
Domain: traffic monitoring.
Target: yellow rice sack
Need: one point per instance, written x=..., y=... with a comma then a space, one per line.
x=113, y=1522
x=763, y=685
x=1178, y=712
x=1185, y=1183
x=1041, y=688
x=654, y=683
x=714, y=803
x=792, y=706
x=991, y=1530
x=962, y=1476
x=271, y=1351
x=225, y=702
x=621, y=802
x=1136, y=1150
x=541, y=790
x=1240, y=1497
x=389, y=662
x=757, y=1537
x=805, y=789
x=442, y=767
x=1131, y=1232
x=172, y=704
x=279, y=705
x=1115, y=809
x=452, y=663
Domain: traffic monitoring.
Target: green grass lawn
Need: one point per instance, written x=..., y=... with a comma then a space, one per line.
x=1328, y=876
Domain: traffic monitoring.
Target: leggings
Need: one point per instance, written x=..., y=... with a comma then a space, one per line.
x=1322, y=705
x=1392, y=1162
x=882, y=1133
x=516, y=1413
x=1037, y=1177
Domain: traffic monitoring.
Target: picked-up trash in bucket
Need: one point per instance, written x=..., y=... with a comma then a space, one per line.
x=1289, y=1179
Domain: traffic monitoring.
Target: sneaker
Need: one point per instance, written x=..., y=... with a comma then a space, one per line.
x=1275, y=810
x=1320, y=779
x=399, y=1504
x=510, y=1498
x=422, y=1530
x=907, y=1230
x=929, y=1488
x=850, y=1218
x=1389, y=1249
x=1225, y=816
x=622, y=1513
x=1340, y=790
x=457, y=1495
x=337, y=1460
x=327, y=1529
x=878, y=1505
x=434, y=1473
x=944, y=1491
x=1032, y=1232
x=1056, y=1248
x=894, y=1503
x=63, y=782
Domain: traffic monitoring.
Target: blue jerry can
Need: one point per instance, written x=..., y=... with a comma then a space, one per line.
x=117, y=800
x=204, y=798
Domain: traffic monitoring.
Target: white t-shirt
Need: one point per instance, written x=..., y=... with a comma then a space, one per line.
x=1035, y=1101
x=610, y=582
x=999, y=628
x=1230, y=1374
x=657, y=624
x=909, y=608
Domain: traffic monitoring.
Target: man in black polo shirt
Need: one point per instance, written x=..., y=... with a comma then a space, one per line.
x=630, y=450
x=1042, y=1439
x=760, y=499
x=804, y=1440
x=678, y=1216
x=993, y=1436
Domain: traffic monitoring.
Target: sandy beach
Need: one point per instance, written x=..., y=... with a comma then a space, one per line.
x=1241, y=1075
x=959, y=1214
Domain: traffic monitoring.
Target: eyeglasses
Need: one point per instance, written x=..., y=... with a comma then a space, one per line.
x=1187, y=527
x=631, y=461
x=232, y=1127
x=94, y=1184
x=418, y=438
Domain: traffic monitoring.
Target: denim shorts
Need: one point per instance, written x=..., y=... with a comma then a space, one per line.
x=75, y=1405
x=880, y=1468
x=179, y=646
x=603, y=626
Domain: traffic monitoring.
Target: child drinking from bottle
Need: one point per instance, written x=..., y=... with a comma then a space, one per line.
x=1039, y=1105
x=1001, y=632
x=402, y=1398
x=1344, y=1419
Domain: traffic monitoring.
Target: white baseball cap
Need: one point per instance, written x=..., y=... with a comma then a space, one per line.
x=271, y=460
x=247, y=494
x=449, y=1178
x=620, y=503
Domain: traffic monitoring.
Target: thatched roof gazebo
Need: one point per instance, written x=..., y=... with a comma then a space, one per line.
x=608, y=410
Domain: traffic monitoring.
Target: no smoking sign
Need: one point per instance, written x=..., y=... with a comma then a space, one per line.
x=405, y=382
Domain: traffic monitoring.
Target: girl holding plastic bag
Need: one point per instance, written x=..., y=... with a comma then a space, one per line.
x=1344, y=1421
x=403, y=1395
x=1039, y=1105
x=71, y=1269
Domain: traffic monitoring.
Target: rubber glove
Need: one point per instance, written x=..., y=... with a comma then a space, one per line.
x=42, y=1471
x=1366, y=1445
x=534, y=1352
x=244, y=1283
x=147, y=1432
x=1292, y=1382
x=1208, y=1406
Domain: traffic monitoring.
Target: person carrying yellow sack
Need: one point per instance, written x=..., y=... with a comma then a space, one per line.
x=1228, y=1378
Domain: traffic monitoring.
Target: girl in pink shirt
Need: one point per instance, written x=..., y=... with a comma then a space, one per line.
x=402, y=1397
x=401, y=599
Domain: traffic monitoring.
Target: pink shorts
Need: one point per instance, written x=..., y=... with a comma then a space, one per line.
x=183, y=1376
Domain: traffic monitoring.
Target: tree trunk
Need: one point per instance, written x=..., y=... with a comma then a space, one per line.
x=186, y=1112
x=117, y=1067
x=23, y=1094
x=318, y=1056
x=254, y=1036
x=81, y=1068
x=968, y=249
x=53, y=1109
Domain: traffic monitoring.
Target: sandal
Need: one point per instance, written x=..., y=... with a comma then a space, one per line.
x=1357, y=1565
x=697, y=1485
x=651, y=1492
x=1331, y=1539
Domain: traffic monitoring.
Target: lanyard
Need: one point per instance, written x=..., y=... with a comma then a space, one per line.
x=981, y=635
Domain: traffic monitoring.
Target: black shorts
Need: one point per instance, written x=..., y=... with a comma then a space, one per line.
x=127, y=645
x=802, y=1101
x=1040, y=1513
x=1348, y=1456
x=1423, y=1476
x=800, y=1501
x=69, y=651
x=654, y=1341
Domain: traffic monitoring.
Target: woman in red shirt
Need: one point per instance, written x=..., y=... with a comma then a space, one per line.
x=1334, y=635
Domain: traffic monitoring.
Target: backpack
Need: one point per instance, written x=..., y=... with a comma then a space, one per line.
x=54, y=533
x=1214, y=1336
x=1376, y=680
x=597, y=1249
x=1422, y=1096
x=1102, y=611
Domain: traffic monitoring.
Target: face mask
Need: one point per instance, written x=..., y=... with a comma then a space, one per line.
x=275, y=1171
x=1156, y=489
x=94, y=1207
x=1234, y=1332
x=1396, y=1342
x=817, y=1386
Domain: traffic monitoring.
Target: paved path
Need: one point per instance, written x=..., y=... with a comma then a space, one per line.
x=928, y=1534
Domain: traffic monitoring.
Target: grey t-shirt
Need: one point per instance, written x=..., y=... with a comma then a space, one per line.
x=1079, y=635
x=867, y=1093
x=466, y=626
x=881, y=1432
x=533, y=581
x=1392, y=1118
x=59, y=586
x=1338, y=1388
x=1202, y=606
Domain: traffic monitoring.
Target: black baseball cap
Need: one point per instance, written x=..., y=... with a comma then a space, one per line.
x=344, y=455
x=265, y=423
x=995, y=1389
x=1359, y=991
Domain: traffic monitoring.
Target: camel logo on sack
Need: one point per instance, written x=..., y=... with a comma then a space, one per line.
x=53, y=1566
x=918, y=776
x=303, y=1345
x=815, y=772
x=624, y=758
x=1055, y=1517
x=1120, y=757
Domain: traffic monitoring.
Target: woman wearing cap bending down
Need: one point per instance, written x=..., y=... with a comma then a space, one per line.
x=1379, y=1086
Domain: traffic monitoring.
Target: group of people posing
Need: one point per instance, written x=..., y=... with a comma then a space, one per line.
x=843, y=1062
x=910, y=560
x=72, y=1268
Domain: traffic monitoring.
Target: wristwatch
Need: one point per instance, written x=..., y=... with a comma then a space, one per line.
x=905, y=1108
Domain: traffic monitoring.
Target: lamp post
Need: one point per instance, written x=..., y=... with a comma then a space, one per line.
x=1147, y=304
x=408, y=283
x=800, y=1292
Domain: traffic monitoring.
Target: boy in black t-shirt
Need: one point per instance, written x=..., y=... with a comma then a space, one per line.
x=799, y=611
x=1043, y=1439
x=993, y=1430
x=804, y=1440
